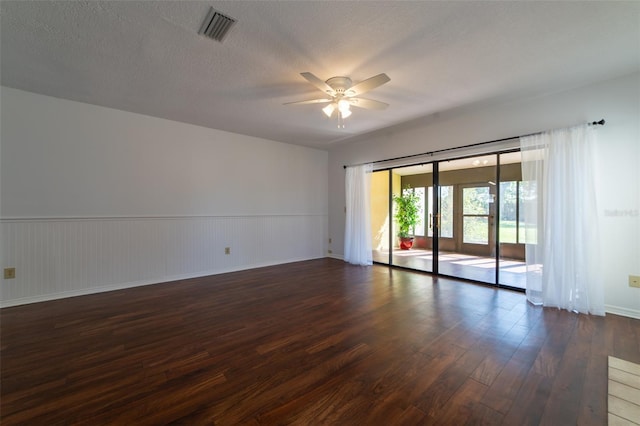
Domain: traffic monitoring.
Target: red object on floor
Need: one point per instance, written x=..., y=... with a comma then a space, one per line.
x=406, y=243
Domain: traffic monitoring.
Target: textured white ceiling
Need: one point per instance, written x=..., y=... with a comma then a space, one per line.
x=146, y=57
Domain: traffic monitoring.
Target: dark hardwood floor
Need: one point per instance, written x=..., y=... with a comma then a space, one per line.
x=317, y=342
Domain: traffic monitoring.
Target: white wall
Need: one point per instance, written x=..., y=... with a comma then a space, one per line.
x=618, y=162
x=94, y=199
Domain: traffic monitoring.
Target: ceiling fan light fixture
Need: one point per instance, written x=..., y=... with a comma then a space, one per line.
x=345, y=114
x=328, y=110
x=343, y=106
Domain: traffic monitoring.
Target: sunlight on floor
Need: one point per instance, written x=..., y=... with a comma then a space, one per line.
x=478, y=268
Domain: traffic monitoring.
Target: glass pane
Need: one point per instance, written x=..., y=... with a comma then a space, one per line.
x=446, y=211
x=508, y=212
x=475, y=230
x=379, y=199
x=512, y=253
x=475, y=200
x=528, y=196
x=429, y=216
x=419, y=228
x=467, y=249
x=415, y=249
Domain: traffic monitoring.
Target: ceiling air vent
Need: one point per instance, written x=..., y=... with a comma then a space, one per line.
x=216, y=25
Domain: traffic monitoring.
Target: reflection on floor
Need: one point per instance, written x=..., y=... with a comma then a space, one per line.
x=512, y=272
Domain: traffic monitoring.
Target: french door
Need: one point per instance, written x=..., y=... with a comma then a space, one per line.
x=477, y=213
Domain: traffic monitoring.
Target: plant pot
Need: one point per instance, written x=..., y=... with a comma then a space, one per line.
x=406, y=243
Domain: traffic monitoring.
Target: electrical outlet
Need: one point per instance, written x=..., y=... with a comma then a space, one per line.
x=227, y=250
x=330, y=251
x=9, y=273
x=634, y=281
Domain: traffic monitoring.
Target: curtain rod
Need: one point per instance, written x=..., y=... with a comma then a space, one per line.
x=593, y=123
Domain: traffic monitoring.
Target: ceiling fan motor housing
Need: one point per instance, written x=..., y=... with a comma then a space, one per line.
x=340, y=84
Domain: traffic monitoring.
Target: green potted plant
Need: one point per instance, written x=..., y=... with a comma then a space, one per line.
x=406, y=216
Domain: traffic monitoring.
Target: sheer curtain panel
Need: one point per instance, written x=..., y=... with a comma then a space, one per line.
x=560, y=215
x=357, y=230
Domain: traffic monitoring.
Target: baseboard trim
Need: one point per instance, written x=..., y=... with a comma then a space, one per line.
x=336, y=256
x=122, y=286
x=625, y=312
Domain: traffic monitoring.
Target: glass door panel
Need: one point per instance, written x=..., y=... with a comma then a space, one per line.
x=445, y=217
x=512, y=229
x=477, y=218
x=414, y=250
x=379, y=199
x=475, y=230
x=467, y=195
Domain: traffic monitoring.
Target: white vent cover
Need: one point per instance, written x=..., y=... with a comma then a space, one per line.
x=216, y=25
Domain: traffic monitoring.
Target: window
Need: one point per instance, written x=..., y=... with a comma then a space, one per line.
x=513, y=228
x=419, y=192
x=446, y=211
x=509, y=202
x=475, y=212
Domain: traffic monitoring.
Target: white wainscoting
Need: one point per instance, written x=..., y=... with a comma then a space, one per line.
x=63, y=257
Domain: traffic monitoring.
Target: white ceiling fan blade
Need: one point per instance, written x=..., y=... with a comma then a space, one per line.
x=309, y=101
x=367, y=103
x=318, y=83
x=368, y=84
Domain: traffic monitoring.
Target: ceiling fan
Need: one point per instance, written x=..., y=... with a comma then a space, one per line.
x=342, y=95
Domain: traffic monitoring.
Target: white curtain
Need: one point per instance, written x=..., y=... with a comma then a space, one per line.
x=357, y=231
x=560, y=215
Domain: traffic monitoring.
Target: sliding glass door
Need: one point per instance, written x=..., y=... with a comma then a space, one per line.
x=468, y=224
x=467, y=243
x=414, y=250
x=411, y=248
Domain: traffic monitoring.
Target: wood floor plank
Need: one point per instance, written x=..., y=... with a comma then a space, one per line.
x=505, y=388
x=489, y=369
x=593, y=406
x=528, y=406
x=624, y=342
x=563, y=406
x=315, y=342
x=460, y=408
